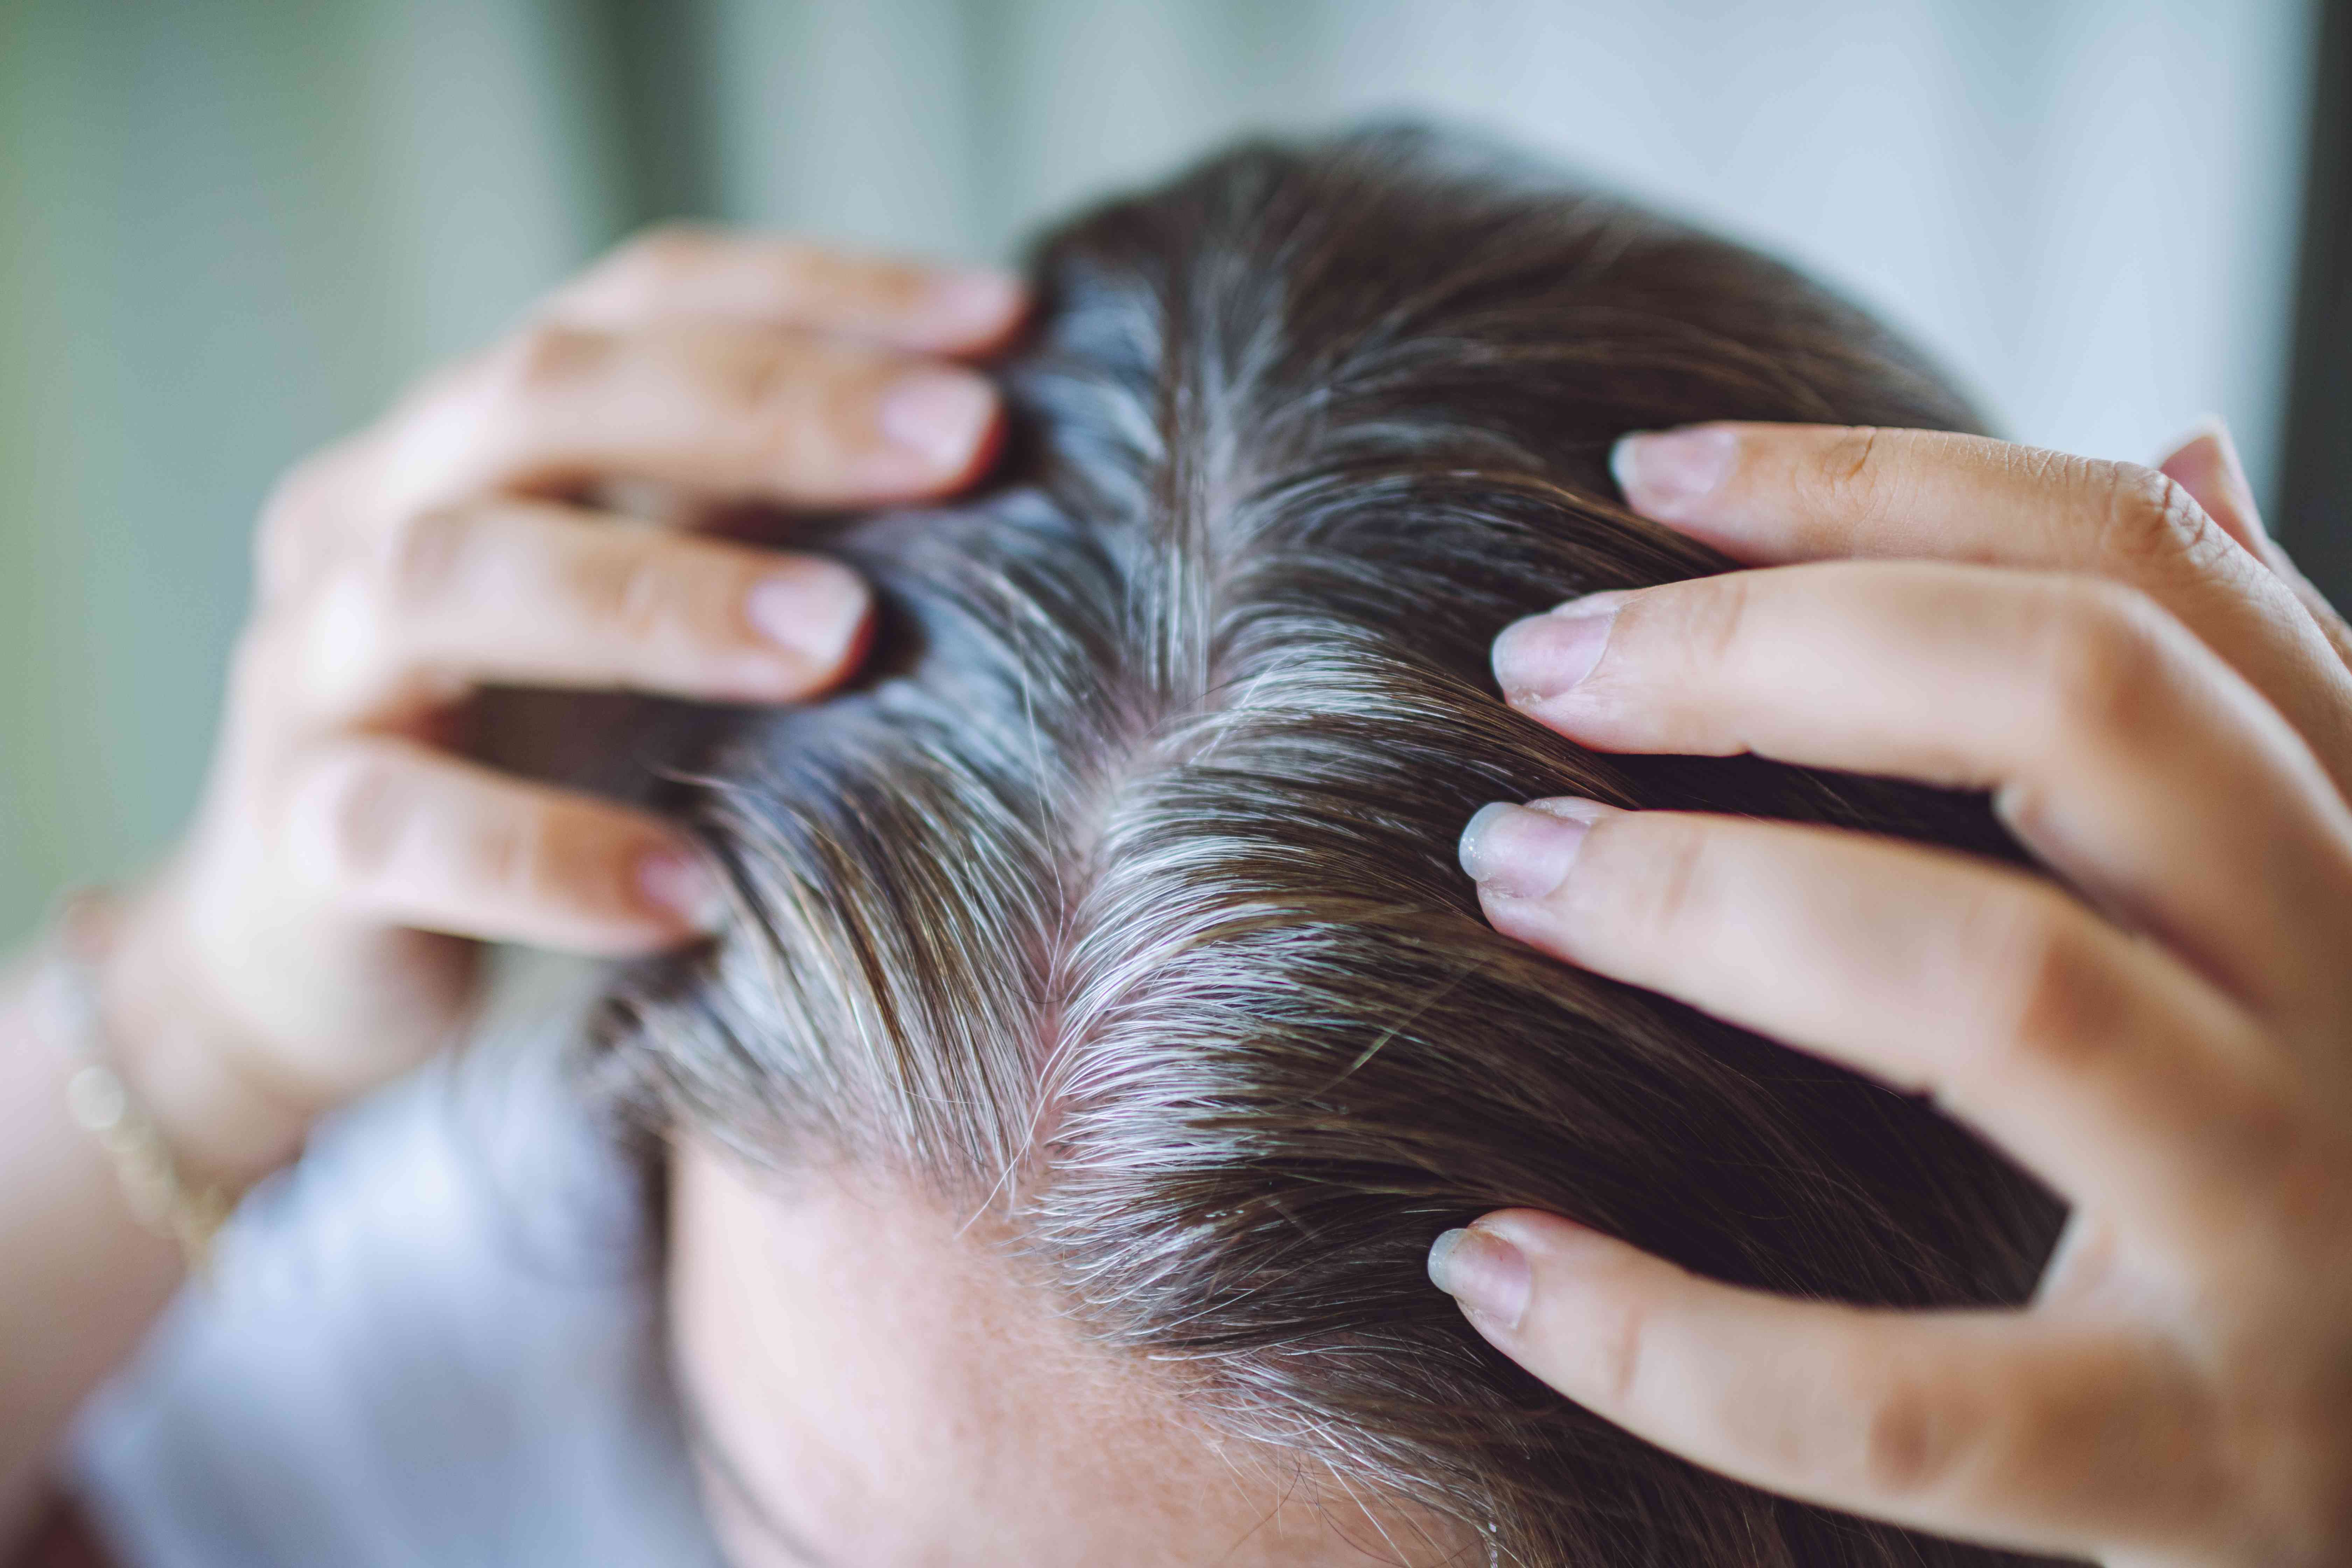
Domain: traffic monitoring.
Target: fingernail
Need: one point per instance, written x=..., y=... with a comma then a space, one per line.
x=1488, y=1275
x=2230, y=456
x=1665, y=471
x=1543, y=655
x=1525, y=851
x=813, y=611
x=939, y=414
x=678, y=881
x=2233, y=469
x=960, y=305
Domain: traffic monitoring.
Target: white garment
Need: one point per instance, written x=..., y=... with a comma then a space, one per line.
x=436, y=1342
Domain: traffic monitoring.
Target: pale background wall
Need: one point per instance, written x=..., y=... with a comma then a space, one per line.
x=230, y=230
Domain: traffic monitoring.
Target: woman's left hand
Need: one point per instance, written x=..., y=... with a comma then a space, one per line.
x=2162, y=710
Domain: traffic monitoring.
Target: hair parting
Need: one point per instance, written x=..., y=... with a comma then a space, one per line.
x=1120, y=895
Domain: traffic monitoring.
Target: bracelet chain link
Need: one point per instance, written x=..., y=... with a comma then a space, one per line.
x=160, y=1193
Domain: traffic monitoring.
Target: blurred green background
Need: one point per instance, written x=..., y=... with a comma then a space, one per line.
x=231, y=229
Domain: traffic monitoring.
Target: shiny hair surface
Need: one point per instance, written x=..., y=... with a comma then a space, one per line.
x=1120, y=892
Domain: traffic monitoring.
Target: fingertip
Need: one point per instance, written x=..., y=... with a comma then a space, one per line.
x=1501, y=1265
x=818, y=612
x=1539, y=1231
x=2205, y=463
x=2207, y=430
x=2195, y=460
x=1540, y=658
x=972, y=310
x=1621, y=461
x=1526, y=851
x=1486, y=1276
x=679, y=886
x=1671, y=475
x=943, y=424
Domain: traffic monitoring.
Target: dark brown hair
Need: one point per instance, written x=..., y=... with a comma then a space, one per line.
x=1121, y=892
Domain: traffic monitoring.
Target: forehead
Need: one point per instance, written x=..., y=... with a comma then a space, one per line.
x=887, y=1391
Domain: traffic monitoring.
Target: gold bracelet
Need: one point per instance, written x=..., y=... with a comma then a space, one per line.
x=161, y=1194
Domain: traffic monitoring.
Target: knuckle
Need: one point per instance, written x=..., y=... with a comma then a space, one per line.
x=554, y=854
x=2101, y=663
x=795, y=273
x=633, y=278
x=1669, y=892
x=296, y=496
x=1707, y=618
x=505, y=854
x=283, y=550
x=546, y=356
x=750, y=373
x=257, y=663
x=663, y=253
x=643, y=598
x=1907, y=1439
x=294, y=519
x=1614, y=1343
x=375, y=825
x=2147, y=519
x=1848, y=476
x=801, y=270
x=2053, y=1007
x=358, y=808
x=352, y=649
x=424, y=554
x=2264, y=1135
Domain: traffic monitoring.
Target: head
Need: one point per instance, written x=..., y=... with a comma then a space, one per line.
x=1105, y=1029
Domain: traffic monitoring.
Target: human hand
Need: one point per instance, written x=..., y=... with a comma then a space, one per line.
x=317, y=931
x=2162, y=710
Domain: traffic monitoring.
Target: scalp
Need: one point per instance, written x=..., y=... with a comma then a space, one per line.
x=1119, y=896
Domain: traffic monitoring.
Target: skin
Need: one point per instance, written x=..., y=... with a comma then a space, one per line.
x=318, y=928
x=2161, y=709
x=864, y=1363
x=2157, y=702
x=871, y=1381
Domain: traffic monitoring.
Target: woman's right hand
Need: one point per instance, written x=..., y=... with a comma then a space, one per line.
x=318, y=929
x=2160, y=709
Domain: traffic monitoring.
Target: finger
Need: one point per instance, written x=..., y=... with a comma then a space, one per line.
x=2119, y=747
x=2207, y=466
x=2205, y=463
x=398, y=833
x=1992, y=1426
x=682, y=272
x=534, y=594
x=2100, y=1062
x=1773, y=494
x=739, y=412
x=2323, y=614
